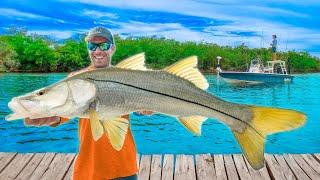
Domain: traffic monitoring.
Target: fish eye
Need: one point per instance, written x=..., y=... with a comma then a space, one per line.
x=40, y=93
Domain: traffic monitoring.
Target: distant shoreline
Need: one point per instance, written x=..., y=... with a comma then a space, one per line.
x=21, y=52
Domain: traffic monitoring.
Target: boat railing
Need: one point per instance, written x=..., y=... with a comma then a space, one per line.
x=271, y=66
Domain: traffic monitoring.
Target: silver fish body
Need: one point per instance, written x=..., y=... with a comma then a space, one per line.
x=104, y=95
x=121, y=91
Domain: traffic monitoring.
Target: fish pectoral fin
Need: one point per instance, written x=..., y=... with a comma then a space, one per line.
x=116, y=130
x=193, y=123
x=187, y=69
x=96, y=125
x=135, y=62
x=265, y=121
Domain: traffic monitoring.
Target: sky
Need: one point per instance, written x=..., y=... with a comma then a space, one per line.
x=230, y=22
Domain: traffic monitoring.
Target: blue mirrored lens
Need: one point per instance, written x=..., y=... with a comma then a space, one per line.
x=103, y=46
x=92, y=46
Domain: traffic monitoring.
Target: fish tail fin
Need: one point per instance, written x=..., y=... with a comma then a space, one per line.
x=265, y=121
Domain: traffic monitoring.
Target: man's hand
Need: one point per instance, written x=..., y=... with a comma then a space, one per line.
x=144, y=112
x=47, y=121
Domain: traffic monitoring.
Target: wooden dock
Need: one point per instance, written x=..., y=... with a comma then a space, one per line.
x=55, y=166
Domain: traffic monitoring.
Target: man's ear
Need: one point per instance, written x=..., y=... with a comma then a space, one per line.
x=113, y=49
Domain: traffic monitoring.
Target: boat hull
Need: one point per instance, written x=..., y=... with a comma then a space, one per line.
x=256, y=77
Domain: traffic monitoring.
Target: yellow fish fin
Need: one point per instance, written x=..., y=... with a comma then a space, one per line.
x=193, y=123
x=265, y=121
x=135, y=62
x=95, y=124
x=116, y=130
x=187, y=69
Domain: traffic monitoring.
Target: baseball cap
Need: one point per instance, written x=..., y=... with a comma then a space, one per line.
x=102, y=32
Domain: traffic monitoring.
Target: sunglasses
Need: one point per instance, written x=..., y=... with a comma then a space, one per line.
x=103, y=46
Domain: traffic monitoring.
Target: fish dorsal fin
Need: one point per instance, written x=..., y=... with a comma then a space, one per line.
x=116, y=130
x=135, y=62
x=193, y=123
x=96, y=126
x=187, y=69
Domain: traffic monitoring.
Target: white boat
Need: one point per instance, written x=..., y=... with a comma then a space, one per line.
x=274, y=72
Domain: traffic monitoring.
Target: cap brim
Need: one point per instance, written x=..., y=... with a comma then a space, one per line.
x=90, y=37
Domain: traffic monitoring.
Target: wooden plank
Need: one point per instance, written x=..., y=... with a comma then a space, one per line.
x=59, y=166
x=184, y=168
x=167, y=167
x=205, y=167
x=264, y=173
x=284, y=167
x=155, y=173
x=305, y=167
x=15, y=166
x=69, y=173
x=241, y=167
x=274, y=167
x=317, y=157
x=30, y=167
x=5, y=159
x=312, y=162
x=220, y=168
x=43, y=166
x=144, y=171
x=258, y=174
x=230, y=167
x=298, y=172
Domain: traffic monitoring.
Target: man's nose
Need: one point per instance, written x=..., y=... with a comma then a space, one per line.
x=98, y=50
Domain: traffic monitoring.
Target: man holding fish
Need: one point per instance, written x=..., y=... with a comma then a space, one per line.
x=98, y=159
x=103, y=98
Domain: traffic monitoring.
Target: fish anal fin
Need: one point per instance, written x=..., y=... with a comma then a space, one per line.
x=116, y=130
x=96, y=125
x=135, y=62
x=193, y=123
x=187, y=69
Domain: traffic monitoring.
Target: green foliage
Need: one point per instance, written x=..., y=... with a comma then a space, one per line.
x=8, y=57
x=34, y=54
x=72, y=55
x=22, y=52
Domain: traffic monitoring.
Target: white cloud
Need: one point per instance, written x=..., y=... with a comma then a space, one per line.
x=288, y=38
x=13, y=12
x=211, y=9
x=53, y=33
x=99, y=14
x=20, y=15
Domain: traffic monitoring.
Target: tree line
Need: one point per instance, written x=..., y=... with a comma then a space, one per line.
x=23, y=52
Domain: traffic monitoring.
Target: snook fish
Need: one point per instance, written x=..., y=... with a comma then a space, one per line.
x=104, y=95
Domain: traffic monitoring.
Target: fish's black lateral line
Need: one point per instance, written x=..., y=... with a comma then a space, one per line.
x=177, y=98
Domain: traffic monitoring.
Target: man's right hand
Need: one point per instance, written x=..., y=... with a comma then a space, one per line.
x=47, y=121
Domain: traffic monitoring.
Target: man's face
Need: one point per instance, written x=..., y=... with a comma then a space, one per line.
x=101, y=58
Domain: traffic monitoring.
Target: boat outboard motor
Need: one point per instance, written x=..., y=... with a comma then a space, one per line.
x=279, y=70
x=218, y=64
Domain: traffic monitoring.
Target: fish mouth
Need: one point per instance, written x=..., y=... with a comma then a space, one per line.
x=19, y=111
x=15, y=116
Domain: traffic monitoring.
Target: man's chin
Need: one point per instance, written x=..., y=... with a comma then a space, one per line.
x=101, y=65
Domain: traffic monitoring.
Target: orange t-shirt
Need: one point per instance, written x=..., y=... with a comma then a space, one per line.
x=99, y=160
